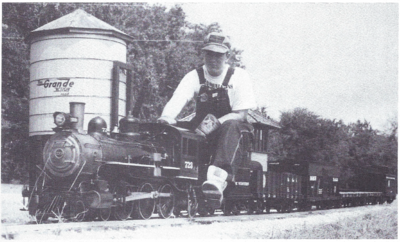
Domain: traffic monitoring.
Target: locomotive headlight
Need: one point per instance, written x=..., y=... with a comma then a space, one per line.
x=59, y=119
x=64, y=120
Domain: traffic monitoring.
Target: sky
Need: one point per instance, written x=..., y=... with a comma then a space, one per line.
x=338, y=60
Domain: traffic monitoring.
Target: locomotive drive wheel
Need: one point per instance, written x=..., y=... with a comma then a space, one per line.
x=166, y=201
x=104, y=214
x=145, y=207
x=123, y=209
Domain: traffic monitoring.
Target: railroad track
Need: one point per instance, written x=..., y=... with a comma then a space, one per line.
x=7, y=230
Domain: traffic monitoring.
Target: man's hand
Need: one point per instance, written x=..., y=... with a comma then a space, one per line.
x=209, y=124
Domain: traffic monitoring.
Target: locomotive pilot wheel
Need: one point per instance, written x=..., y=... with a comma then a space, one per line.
x=79, y=211
x=41, y=216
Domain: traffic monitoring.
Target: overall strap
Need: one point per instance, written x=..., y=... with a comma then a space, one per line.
x=200, y=72
x=228, y=76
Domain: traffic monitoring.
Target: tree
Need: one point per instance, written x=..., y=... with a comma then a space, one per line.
x=306, y=137
x=362, y=137
x=370, y=147
x=299, y=134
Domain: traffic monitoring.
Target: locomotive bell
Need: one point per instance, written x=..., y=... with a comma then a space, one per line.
x=129, y=126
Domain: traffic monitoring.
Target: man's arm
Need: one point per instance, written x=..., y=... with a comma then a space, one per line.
x=240, y=115
x=182, y=95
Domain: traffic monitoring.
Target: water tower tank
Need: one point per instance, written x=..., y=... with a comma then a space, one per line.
x=71, y=60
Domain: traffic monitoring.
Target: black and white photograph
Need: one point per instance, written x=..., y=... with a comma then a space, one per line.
x=199, y=120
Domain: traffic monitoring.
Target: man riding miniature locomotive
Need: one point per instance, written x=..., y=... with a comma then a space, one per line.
x=223, y=97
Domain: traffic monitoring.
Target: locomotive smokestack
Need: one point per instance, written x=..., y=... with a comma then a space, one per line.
x=77, y=109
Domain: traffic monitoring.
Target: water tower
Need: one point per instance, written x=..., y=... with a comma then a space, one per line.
x=74, y=59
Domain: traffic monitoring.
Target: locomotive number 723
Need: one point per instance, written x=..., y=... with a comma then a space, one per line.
x=188, y=164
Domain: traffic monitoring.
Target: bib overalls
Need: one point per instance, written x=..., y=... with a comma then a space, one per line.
x=225, y=141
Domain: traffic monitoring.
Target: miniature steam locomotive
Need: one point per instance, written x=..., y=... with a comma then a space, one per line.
x=142, y=169
x=149, y=168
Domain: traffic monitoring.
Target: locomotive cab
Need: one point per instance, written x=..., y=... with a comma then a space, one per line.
x=186, y=150
x=248, y=179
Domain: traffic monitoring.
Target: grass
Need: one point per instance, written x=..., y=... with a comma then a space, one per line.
x=379, y=224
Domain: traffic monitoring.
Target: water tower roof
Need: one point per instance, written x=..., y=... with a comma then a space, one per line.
x=79, y=21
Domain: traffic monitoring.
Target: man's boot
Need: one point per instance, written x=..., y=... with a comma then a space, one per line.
x=215, y=185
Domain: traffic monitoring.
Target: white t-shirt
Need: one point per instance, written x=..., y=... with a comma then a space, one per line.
x=240, y=92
